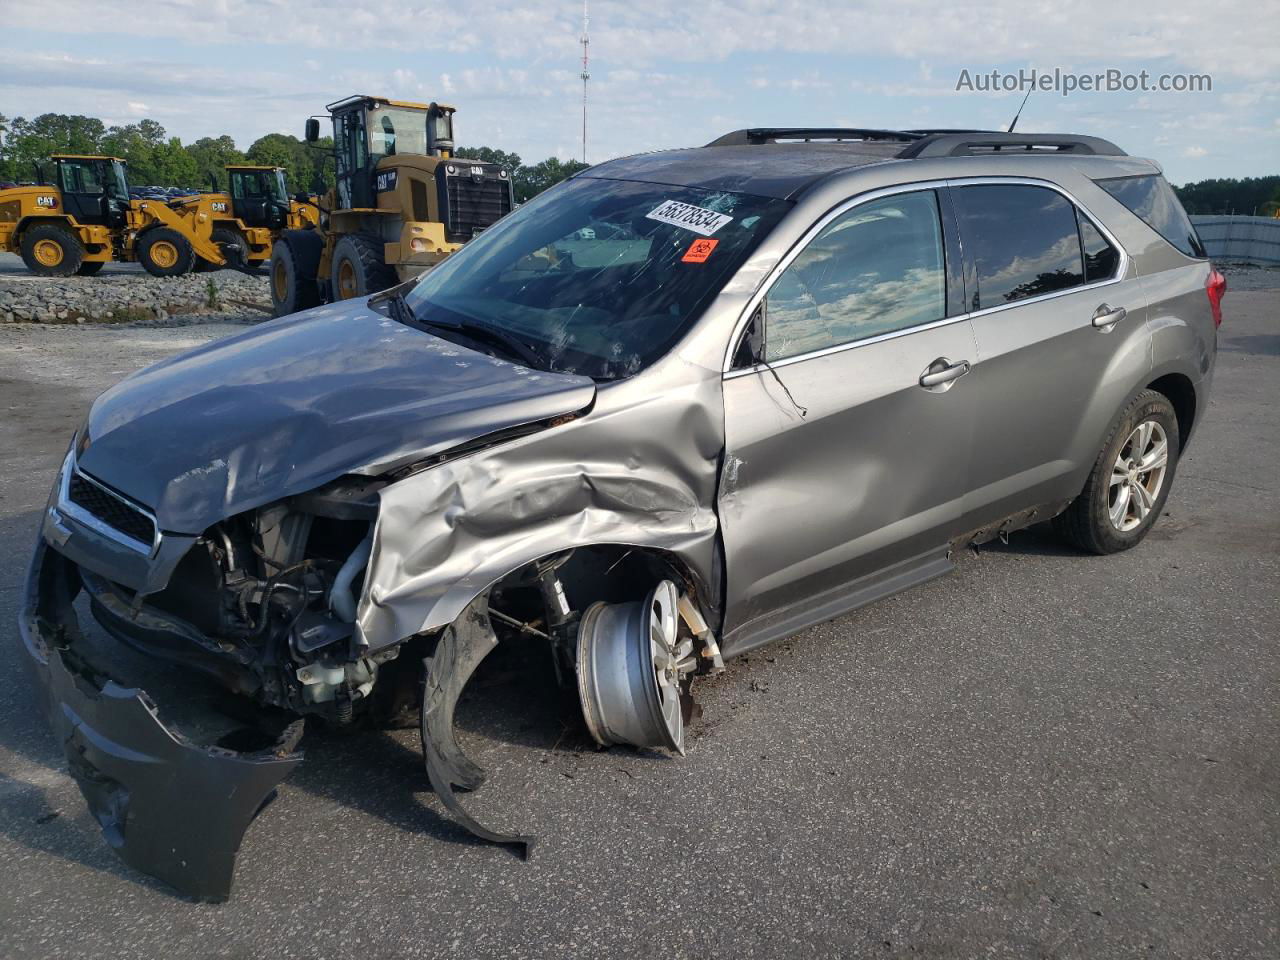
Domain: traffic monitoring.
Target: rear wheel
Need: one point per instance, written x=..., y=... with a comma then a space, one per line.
x=164, y=252
x=1130, y=480
x=90, y=268
x=52, y=250
x=295, y=262
x=358, y=268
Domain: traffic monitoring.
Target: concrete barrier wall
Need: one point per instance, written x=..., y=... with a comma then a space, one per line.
x=1249, y=239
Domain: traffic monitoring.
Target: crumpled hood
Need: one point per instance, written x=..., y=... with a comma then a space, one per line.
x=294, y=403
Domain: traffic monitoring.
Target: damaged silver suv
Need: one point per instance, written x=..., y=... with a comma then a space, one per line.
x=680, y=406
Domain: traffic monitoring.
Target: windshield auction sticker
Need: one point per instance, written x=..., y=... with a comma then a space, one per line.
x=686, y=215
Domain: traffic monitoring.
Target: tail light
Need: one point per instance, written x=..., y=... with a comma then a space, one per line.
x=1215, y=286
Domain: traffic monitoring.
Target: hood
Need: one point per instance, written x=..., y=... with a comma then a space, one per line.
x=296, y=402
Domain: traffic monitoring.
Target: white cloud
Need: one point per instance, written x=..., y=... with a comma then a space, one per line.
x=1195, y=152
x=664, y=73
x=1225, y=40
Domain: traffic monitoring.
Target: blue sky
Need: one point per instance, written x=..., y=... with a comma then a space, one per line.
x=665, y=73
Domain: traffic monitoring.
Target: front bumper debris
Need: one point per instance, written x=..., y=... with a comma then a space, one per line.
x=168, y=806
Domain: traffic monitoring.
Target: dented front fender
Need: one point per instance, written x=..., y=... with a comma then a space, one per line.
x=639, y=470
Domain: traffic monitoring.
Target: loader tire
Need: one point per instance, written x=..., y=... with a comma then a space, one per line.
x=358, y=268
x=232, y=245
x=164, y=252
x=293, y=270
x=90, y=268
x=52, y=250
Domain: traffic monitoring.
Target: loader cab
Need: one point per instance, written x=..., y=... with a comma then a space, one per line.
x=366, y=129
x=258, y=196
x=94, y=189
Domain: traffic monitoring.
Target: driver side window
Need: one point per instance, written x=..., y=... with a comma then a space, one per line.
x=875, y=269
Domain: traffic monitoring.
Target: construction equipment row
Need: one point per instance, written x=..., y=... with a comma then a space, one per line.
x=401, y=203
x=82, y=217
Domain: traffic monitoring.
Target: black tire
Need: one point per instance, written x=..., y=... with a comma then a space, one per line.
x=1087, y=522
x=52, y=250
x=232, y=245
x=292, y=272
x=90, y=268
x=164, y=252
x=358, y=269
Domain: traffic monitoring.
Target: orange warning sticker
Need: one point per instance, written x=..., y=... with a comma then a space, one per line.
x=699, y=250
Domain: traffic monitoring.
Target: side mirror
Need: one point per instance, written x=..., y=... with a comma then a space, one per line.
x=313, y=130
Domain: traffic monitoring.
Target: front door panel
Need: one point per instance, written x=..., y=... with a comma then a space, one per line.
x=872, y=475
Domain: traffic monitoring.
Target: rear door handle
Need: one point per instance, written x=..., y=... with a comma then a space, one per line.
x=943, y=371
x=1107, y=316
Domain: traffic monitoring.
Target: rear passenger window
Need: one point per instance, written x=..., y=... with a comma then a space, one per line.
x=1023, y=240
x=873, y=270
x=1152, y=199
x=1101, y=259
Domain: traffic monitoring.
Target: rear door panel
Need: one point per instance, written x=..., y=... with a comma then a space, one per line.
x=1046, y=385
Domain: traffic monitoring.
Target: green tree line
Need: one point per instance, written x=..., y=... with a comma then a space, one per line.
x=1250, y=196
x=528, y=181
x=156, y=159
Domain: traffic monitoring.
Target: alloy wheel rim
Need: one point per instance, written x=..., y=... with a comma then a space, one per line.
x=1137, y=476
x=48, y=253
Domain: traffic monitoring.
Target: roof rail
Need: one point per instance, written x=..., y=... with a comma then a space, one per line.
x=1008, y=144
x=758, y=135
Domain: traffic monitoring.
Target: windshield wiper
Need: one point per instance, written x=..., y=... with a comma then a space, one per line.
x=494, y=337
x=402, y=312
x=399, y=308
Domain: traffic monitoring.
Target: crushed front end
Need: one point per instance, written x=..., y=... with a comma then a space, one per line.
x=262, y=604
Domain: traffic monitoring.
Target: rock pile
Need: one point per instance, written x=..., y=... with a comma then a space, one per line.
x=135, y=298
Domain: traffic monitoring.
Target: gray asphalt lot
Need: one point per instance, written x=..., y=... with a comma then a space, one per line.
x=1044, y=754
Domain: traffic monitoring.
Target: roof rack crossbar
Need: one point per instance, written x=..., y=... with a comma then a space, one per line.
x=759, y=135
x=1008, y=144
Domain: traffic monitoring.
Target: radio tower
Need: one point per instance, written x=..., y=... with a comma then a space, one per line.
x=586, y=75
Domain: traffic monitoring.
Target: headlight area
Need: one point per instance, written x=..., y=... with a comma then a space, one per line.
x=266, y=602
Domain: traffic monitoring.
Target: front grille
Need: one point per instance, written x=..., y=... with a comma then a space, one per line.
x=110, y=509
x=473, y=203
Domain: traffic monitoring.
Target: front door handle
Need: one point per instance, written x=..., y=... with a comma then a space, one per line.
x=1107, y=316
x=942, y=371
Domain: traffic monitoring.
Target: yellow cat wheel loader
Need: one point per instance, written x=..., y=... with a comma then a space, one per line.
x=69, y=226
x=82, y=217
x=401, y=204
x=248, y=217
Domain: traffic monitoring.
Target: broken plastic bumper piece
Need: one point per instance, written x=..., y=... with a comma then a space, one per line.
x=169, y=807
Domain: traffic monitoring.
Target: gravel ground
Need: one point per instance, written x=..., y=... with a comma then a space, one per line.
x=132, y=296
x=1043, y=754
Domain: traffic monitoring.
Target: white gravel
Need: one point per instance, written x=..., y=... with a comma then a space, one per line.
x=135, y=298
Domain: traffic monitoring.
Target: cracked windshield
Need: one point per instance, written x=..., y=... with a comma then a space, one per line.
x=597, y=277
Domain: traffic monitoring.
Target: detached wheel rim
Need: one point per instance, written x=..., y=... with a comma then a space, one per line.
x=1137, y=476
x=631, y=664
x=279, y=281
x=164, y=254
x=346, y=280
x=48, y=253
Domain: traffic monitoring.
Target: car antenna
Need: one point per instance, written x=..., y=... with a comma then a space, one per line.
x=1019, y=113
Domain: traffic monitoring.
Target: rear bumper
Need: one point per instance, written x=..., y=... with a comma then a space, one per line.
x=172, y=808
